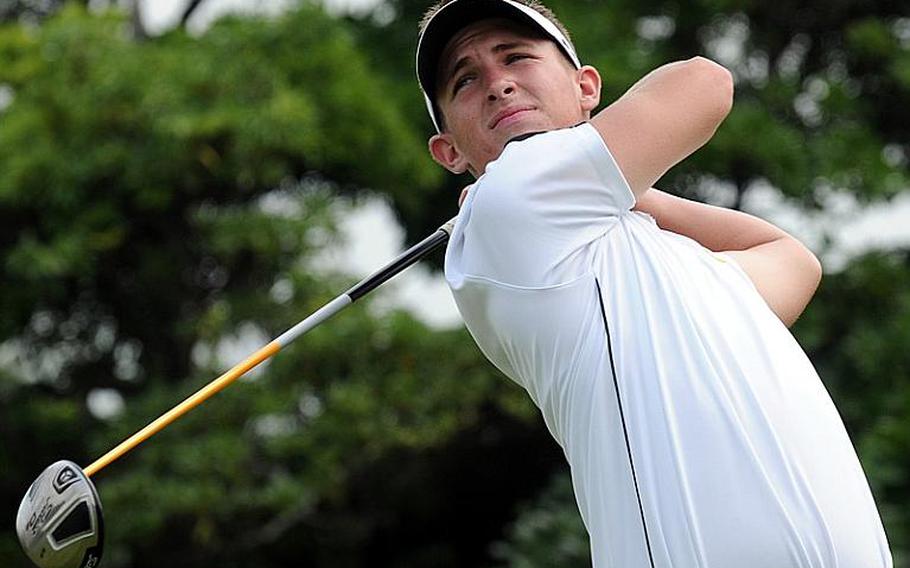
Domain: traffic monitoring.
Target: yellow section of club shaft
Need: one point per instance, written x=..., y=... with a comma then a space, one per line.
x=190, y=403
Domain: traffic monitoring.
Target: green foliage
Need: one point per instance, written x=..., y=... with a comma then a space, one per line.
x=164, y=196
x=264, y=464
x=160, y=197
x=156, y=193
x=548, y=532
x=129, y=156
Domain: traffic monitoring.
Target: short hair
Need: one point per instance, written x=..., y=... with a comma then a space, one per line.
x=533, y=4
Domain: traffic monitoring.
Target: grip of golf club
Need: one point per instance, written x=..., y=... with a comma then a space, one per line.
x=190, y=403
x=404, y=260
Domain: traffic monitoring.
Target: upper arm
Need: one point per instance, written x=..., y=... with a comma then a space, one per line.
x=663, y=118
x=784, y=272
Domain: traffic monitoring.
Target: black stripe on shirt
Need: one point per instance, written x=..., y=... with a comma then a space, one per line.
x=622, y=418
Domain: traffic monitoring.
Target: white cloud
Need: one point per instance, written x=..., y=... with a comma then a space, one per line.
x=371, y=238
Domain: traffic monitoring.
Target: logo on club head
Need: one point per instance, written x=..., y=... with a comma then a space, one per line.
x=38, y=519
x=65, y=478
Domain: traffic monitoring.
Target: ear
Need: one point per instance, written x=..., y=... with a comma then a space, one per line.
x=446, y=153
x=589, y=84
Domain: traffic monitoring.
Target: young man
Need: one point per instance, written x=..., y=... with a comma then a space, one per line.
x=649, y=330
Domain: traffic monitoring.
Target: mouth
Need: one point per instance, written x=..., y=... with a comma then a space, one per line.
x=507, y=115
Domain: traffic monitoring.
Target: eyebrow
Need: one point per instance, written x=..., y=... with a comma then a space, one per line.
x=464, y=60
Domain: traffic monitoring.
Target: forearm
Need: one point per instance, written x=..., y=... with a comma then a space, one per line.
x=783, y=270
x=716, y=228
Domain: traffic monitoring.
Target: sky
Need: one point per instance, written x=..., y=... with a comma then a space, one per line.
x=373, y=236
x=159, y=15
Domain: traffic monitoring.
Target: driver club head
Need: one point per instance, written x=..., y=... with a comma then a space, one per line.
x=60, y=524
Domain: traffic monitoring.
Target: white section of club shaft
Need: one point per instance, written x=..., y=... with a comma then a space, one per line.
x=404, y=260
x=316, y=318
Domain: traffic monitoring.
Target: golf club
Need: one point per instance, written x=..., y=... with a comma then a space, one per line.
x=60, y=523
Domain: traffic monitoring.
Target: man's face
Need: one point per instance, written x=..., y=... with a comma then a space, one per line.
x=498, y=80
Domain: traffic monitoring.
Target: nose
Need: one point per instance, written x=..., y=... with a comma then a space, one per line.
x=500, y=87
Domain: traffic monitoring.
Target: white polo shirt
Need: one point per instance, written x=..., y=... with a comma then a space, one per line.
x=698, y=433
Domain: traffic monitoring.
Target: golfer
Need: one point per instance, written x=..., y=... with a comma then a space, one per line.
x=651, y=331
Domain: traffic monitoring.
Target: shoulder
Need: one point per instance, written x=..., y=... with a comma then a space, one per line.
x=558, y=167
x=545, y=198
x=537, y=152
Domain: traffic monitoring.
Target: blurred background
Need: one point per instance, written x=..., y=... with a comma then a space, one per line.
x=182, y=180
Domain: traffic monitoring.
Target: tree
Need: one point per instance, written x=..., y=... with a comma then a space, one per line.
x=159, y=197
x=33, y=11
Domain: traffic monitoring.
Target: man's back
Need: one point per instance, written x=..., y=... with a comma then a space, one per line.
x=697, y=430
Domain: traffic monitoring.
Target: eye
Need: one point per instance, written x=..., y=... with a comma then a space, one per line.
x=461, y=82
x=513, y=57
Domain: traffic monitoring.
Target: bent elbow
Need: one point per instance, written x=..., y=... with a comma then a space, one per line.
x=808, y=265
x=814, y=270
x=725, y=89
x=717, y=87
x=808, y=271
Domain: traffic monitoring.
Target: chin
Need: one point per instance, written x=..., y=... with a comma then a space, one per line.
x=522, y=128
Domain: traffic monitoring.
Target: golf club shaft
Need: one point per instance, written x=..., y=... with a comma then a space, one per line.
x=365, y=286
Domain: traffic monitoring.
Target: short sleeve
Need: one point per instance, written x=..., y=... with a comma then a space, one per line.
x=539, y=204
